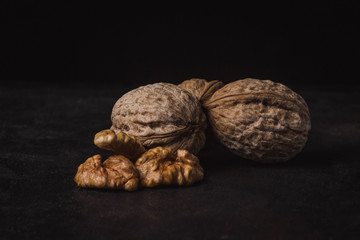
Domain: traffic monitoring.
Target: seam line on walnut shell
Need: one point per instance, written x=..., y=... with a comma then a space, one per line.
x=210, y=103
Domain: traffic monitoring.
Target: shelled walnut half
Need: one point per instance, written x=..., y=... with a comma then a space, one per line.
x=159, y=166
x=117, y=172
x=119, y=143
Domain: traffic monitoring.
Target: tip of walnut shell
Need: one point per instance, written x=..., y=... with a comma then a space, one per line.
x=201, y=88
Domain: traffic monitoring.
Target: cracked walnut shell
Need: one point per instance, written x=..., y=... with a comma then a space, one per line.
x=159, y=166
x=161, y=114
x=259, y=119
x=119, y=143
x=117, y=172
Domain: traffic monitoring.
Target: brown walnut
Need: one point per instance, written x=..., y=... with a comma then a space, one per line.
x=159, y=166
x=117, y=172
x=259, y=120
x=119, y=143
x=201, y=88
x=161, y=114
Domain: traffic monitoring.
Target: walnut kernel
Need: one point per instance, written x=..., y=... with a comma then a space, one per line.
x=119, y=143
x=159, y=166
x=117, y=172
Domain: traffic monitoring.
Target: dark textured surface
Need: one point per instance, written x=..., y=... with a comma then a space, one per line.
x=46, y=131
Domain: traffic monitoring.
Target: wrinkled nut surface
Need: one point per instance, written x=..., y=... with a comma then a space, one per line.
x=159, y=166
x=119, y=143
x=259, y=120
x=201, y=88
x=117, y=172
x=161, y=114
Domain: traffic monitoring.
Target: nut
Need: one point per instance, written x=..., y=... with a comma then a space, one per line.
x=159, y=166
x=119, y=143
x=201, y=88
x=259, y=120
x=161, y=114
x=117, y=172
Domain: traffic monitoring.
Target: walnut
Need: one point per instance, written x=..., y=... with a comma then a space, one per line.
x=159, y=166
x=161, y=114
x=259, y=120
x=201, y=88
x=119, y=143
x=117, y=172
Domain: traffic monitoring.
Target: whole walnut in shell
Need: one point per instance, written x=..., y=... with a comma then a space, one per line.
x=161, y=114
x=259, y=119
x=160, y=166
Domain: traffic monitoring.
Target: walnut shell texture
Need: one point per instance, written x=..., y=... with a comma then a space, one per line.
x=161, y=114
x=117, y=172
x=159, y=166
x=119, y=143
x=259, y=119
x=201, y=88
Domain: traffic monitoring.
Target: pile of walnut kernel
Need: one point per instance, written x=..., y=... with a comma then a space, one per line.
x=156, y=130
x=134, y=166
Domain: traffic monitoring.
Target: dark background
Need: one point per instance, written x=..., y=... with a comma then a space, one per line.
x=64, y=65
x=92, y=42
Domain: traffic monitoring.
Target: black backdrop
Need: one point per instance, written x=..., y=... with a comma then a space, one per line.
x=63, y=66
x=92, y=42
